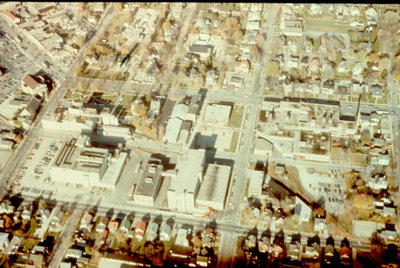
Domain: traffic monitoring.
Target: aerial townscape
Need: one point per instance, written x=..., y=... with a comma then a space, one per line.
x=199, y=134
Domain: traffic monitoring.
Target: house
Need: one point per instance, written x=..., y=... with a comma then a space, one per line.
x=377, y=91
x=165, y=232
x=212, y=78
x=140, y=229
x=101, y=226
x=113, y=226
x=263, y=244
x=293, y=62
x=152, y=231
x=320, y=225
x=377, y=183
x=4, y=241
x=26, y=213
x=125, y=225
x=204, y=51
x=250, y=242
x=56, y=219
x=42, y=214
x=243, y=66
x=6, y=207
x=85, y=221
x=73, y=253
x=13, y=246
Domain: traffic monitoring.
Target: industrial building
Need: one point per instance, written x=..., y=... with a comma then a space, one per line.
x=214, y=187
x=186, y=182
x=149, y=184
x=79, y=163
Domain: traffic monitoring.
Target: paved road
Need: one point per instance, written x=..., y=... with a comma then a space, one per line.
x=190, y=11
x=65, y=238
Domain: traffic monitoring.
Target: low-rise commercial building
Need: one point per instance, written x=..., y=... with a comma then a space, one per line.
x=87, y=166
x=213, y=190
x=147, y=189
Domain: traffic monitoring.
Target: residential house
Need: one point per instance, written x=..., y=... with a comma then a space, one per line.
x=378, y=182
x=6, y=207
x=113, y=226
x=13, y=246
x=152, y=231
x=125, y=225
x=4, y=241
x=73, y=253
x=101, y=226
x=140, y=229
x=320, y=225
x=165, y=232
x=26, y=213
x=263, y=244
x=85, y=221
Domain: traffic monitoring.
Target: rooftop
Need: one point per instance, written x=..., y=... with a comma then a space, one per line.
x=215, y=184
x=150, y=177
x=187, y=169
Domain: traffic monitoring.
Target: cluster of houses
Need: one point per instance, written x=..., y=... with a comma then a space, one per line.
x=46, y=24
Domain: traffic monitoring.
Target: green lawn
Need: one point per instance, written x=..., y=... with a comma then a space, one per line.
x=127, y=100
x=236, y=117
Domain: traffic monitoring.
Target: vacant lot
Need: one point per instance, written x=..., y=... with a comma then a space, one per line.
x=325, y=25
x=99, y=74
x=234, y=141
x=236, y=117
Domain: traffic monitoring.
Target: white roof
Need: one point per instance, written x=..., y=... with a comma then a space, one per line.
x=214, y=187
x=187, y=168
x=172, y=129
x=256, y=179
x=3, y=238
x=365, y=228
x=218, y=113
x=180, y=111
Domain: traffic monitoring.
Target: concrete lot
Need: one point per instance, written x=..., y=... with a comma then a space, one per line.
x=315, y=184
x=4, y=157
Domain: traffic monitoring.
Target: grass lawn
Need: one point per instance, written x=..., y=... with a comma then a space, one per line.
x=234, y=141
x=109, y=98
x=77, y=95
x=325, y=25
x=236, y=117
x=127, y=100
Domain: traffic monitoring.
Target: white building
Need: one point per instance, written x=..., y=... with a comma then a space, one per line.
x=78, y=163
x=114, y=131
x=218, y=114
x=76, y=119
x=214, y=187
x=178, y=115
x=256, y=181
x=185, y=185
x=33, y=85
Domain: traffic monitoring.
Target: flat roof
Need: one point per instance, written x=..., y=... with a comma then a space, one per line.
x=187, y=168
x=256, y=179
x=215, y=183
x=73, y=156
x=149, y=179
